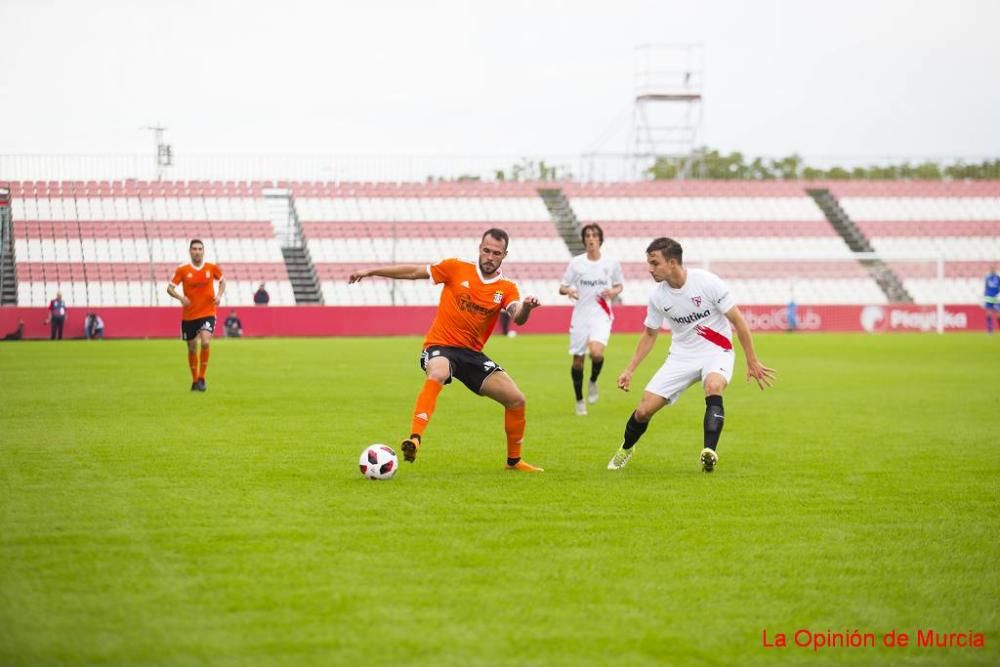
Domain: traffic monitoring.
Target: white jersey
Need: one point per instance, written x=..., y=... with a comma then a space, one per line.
x=695, y=313
x=590, y=278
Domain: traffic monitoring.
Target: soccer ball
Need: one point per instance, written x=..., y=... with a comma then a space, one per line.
x=378, y=462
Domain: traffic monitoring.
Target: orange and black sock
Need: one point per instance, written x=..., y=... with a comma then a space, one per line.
x=193, y=365
x=426, y=402
x=205, y=349
x=513, y=422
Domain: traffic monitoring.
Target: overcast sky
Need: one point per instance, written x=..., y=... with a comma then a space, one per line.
x=540, y=77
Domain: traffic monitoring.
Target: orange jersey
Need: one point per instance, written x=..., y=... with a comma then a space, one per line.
x=199, y=287
x=469, y=305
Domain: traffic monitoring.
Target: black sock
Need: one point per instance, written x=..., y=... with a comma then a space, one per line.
x=595, y=368
x=715, y=418
x=513, y=462
x=577, y=374
x=633, y=431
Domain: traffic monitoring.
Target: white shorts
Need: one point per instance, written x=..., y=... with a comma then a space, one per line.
x=678, y=373
x=594, y=329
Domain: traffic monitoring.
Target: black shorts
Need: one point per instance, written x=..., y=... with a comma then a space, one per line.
x=471, y=368
x=191, y=328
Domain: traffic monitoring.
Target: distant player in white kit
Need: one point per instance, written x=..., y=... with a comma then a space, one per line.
x=591, y=282
x=699, y=309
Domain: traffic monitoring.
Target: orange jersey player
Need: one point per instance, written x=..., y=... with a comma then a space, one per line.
x=472, y=297
x=199, y=301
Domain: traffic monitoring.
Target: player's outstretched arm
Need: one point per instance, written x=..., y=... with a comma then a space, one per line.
x=646, y=342
x=762, y=374
x=520, y=311
x=396, y=271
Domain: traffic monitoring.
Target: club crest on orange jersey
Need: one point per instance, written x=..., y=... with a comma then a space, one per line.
x=497, y=296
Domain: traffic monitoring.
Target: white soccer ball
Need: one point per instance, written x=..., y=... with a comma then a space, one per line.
x=378, y=462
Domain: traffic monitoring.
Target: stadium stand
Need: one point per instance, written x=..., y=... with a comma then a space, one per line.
x=768, y=239
x=352, y=225
x=958, y=221
x=117, y=243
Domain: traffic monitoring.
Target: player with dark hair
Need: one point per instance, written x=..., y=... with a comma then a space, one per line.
x=699, y=309
x=199, y=300
x=591, y=282
x=474, y=293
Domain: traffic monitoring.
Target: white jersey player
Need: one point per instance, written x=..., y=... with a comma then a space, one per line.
x=701, y=313
x=591, y=282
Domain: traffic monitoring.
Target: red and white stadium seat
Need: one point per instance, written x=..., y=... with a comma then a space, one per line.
x=349, y=226
x=115, y=243
x=768, y=240
x=958, y=221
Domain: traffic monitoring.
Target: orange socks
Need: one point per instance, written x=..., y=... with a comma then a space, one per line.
x=193, y=364
x=514, y=420
x=513, y=423
x=204, y=361
x=426, y=402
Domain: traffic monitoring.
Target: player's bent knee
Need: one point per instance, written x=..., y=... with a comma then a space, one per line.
x=438, y=376
x=515, y=401
x=714, y=385
x=643, y=414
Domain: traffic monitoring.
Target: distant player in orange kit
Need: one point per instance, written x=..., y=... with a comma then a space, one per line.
x=199, y=301
x=471, y=300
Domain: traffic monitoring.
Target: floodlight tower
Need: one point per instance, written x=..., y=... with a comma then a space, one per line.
x=667, y=107
x=164, y=153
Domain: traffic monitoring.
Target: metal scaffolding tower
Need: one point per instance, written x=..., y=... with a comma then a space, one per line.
x=667, y=106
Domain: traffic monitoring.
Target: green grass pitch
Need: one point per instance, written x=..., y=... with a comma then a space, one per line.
x=144, y=524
